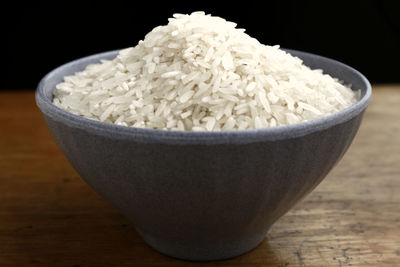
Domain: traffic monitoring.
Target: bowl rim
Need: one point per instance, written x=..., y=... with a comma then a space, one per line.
x=147, y=135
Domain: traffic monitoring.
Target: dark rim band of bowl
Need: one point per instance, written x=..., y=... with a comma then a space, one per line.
x=45, y=104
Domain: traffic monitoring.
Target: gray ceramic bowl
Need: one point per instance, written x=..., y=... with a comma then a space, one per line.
x=203, y=195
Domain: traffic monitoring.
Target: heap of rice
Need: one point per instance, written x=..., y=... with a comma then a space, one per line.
x=201, y=73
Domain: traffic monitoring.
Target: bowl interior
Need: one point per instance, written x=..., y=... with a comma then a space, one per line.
x=336, y=69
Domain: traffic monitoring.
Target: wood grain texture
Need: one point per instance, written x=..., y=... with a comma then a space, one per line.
x=50, y=217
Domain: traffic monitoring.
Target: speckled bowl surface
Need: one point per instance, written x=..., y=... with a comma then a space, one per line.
x=203, y=195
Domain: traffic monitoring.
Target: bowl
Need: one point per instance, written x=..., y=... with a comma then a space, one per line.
x=203, y=195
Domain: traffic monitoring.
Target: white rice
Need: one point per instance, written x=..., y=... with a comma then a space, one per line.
x=200, y=73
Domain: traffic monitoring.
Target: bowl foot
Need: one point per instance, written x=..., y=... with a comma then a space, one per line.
x=195, y=251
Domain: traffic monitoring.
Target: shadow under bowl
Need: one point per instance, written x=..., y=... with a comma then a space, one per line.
x=203, y=195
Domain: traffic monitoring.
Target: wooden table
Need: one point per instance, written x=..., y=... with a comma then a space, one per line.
x=50, y=217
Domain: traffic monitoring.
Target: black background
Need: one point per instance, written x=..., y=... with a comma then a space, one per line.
x=39, y=37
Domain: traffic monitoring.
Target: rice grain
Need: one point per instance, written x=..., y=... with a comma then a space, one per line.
x=201, y=73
